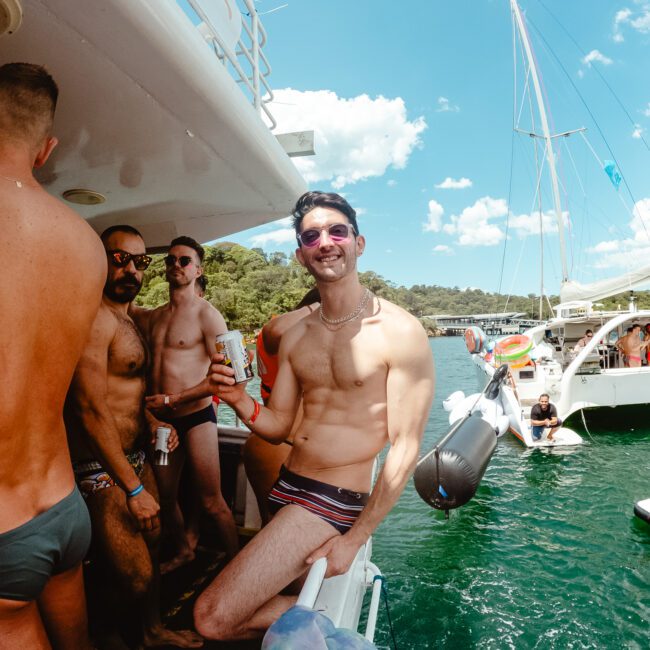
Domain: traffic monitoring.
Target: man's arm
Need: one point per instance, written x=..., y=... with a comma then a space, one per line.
x=88, y=391
x=409, y=394
x=272, y=422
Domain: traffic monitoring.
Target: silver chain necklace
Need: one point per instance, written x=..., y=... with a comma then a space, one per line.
x=349, y=317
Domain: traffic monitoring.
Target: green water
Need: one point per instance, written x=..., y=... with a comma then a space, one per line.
x=548, y=554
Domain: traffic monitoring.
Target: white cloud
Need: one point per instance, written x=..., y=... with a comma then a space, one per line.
x=389, y=250
x=631, y=252
x=646, y=110
x=637, y=133
x=528, y=224
x=472, y=225
x=355, y=139
x=620, y=18
x=281, y=236
x=445, y=106
x=441, y=248
x=639, y=21
x=453, y=184
x=434, y=217
x=597, y=56
x=391, y=183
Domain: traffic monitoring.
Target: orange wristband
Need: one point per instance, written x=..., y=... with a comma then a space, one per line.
x=256, y=411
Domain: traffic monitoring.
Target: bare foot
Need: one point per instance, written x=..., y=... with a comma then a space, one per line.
x=181, y=638
x=179, y=560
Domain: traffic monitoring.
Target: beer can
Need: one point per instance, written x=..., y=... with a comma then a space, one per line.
x=231, y=345
x=161, y=448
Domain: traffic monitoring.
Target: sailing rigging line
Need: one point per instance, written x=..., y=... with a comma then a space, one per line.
x=596, y=69
x=584, y=103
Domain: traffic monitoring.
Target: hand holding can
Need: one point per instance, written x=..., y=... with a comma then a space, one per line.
x=231, y=345
x=161, y=449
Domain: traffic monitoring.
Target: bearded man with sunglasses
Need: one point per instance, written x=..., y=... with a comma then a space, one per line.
x=108, y=430
x=364, y=371
x=181, y=335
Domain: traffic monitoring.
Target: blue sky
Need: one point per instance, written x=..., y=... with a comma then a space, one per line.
x=412, y=104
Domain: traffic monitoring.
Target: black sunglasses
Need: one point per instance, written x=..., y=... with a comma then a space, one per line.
x=122, y=258
x=183, y=260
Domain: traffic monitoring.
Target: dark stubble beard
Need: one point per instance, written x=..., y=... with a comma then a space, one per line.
x=122, y=291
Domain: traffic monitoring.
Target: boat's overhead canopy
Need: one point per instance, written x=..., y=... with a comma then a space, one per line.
x=151, y=120
x=572, y=290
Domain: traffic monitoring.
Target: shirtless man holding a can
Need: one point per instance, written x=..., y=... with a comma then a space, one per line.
x=49, y=294
x=108, y=430
x=364, y=371
x=181, y=336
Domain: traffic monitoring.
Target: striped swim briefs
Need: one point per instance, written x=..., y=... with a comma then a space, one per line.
x=337, y=506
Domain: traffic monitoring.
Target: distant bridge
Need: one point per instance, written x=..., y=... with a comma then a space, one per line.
x=491, y=324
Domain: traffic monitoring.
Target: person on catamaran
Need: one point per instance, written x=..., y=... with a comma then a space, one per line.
x=631, y=346
x=544, y=416
x=363, y=369
x=584, y=340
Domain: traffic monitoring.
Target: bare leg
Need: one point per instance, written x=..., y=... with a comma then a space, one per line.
x=62, y=604
x=203, y=456
x=128, y=556
x=168, y=478
x=242, y=601
x=263, y=461
x=550, y=437
x=21, y=626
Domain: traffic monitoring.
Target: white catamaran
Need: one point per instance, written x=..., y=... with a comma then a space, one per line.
x=162, y=122
x=546, y=359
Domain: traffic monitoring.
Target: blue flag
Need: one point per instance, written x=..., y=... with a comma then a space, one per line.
x=612, y=171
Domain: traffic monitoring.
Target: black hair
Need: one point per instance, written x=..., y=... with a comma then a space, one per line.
x=310, y=200
x=202, y=281
x=28, y=96
x=183, y=240
x=119, y=228
x=312, y=296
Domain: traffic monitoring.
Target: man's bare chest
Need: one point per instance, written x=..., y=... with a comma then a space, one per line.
x=176, y=332
x=127, y=354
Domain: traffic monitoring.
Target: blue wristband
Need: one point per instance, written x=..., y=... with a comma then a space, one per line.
x=135, y=492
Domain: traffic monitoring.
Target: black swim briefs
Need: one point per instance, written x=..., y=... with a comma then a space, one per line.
x=183, y=423
x=50, y=543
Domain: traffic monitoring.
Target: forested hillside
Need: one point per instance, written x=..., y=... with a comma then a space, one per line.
x=249, y=286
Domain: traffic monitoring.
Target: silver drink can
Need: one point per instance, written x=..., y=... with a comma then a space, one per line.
x=161, y=449
x=231, y=345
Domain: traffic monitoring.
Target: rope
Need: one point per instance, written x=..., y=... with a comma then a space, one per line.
x=584, y=423
x=384, y=593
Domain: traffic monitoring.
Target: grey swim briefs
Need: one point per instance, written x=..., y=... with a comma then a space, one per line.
x=50, y=543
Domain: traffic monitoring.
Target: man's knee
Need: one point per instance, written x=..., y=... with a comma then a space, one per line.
x=215, y=504
x=212, y=619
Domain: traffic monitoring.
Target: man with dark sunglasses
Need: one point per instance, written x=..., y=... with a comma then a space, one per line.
x=181, y=335
x=108, y=430
x=48, y=302
x=364, y=372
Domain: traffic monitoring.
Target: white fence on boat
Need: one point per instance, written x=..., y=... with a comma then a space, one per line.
x=237, y=38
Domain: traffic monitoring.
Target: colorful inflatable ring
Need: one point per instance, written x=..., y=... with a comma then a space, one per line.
x=474, y=339
x=520, y=363
x=513, y=348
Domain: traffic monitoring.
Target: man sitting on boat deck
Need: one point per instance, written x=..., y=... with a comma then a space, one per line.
x=181, y=336
x=543, y=416
x=631, y=345
x=364, y=372
x=50, y=293
x=108, y=428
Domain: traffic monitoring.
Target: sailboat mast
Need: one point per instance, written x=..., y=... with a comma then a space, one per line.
x=550, y=156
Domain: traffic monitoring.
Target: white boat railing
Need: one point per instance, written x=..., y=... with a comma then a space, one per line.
x=312, y=590
x=255, y=79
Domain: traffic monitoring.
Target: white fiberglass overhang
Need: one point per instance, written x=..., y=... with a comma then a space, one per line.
x=149, y=118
